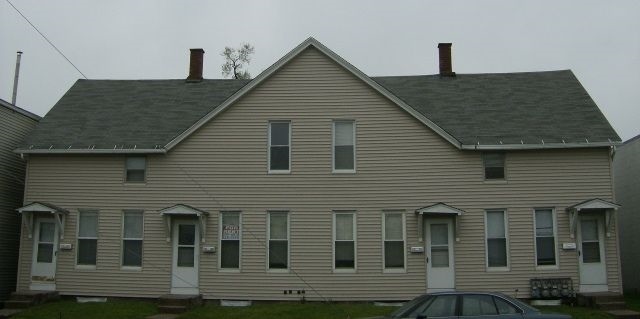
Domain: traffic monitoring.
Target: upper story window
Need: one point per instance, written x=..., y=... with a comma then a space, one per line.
x=344, y=146
x=87, y=237
x=496, y=232
x=545, y=237
x=493, y=165
x=279, y=147
x=136, y=168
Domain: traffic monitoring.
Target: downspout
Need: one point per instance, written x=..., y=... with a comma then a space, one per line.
x=612, y=153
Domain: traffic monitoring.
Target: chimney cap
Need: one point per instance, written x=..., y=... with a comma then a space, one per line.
x=197, y=49
x=445, y=44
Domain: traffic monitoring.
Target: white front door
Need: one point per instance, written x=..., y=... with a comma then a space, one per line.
x=439, y=250
x=45, y=251
x=186, y=251
x=591, y=253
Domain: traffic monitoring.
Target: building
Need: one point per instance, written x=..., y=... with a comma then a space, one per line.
x=627, y=187
x=316, y=180
x=15, y=124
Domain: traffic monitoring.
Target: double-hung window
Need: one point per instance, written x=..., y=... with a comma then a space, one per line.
x=278, y=240
x=344, y=246
x=87, y=238
x=230, y=240
x=496, y=233
x=279, y=147
x=344, y=146
x=136, y=169
x=493, y=166
x=393, y=241
x=132, y=237
x=545, y=237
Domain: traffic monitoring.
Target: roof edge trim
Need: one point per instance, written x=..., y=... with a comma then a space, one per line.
x=490, y=147
x=284, y=60
x=20, y=110
x=91, y=151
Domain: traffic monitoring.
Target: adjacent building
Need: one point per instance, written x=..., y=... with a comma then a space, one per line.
x=15, y=124
x=627, y=186
x=316, y=180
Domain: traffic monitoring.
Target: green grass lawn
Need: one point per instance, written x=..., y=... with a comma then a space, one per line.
x=69, y=309
x=290, y=310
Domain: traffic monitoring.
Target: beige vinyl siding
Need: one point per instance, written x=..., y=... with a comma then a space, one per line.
x=401, y=165
x=13, y=128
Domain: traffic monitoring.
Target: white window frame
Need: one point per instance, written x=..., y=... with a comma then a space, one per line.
x=404, y=241
x=122, y=266
x=220, y=217
x=287, y=213
x=78, y=238
x=333, y=147
x=555, y=239
x=146, y=169
x=506, y=235
x=355, y=242
x=504, y=168
x=278, y=171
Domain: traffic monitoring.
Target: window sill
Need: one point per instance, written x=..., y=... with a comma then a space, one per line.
x=547, y=267
x=229, y=270
x=131, y=268
x=135, y=183
x=85, y=267
x=279, y=172
x=498, y=269
x=343, y=171
x=495, y=181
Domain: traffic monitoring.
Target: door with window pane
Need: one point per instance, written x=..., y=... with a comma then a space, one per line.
x=593, y=270
x=45, y=250
x=439, y=255
x=184, y=279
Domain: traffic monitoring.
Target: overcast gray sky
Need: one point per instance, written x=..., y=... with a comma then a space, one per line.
x=124, y=39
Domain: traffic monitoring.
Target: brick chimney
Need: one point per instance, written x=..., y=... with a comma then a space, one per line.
x=445, y=59
x=195, y=65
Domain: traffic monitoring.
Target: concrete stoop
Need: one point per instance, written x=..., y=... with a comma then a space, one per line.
x=20, y=300
x=175, y=304
x=611, y=302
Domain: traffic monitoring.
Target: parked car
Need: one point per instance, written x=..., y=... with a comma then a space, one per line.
x=469, y=305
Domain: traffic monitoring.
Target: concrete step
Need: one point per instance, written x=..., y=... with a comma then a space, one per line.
x=172, y=309
x=18, y=304
x=624, y=314
x=612, y=305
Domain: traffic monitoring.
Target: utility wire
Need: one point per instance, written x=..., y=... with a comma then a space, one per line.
x=51, y=43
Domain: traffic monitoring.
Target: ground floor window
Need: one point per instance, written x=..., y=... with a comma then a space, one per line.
x=393, y=234
x=344, y=246
x=132, y=237
x=545, y=237
x=230, y=235
x=87, y=238
x=278, y=240
x=496, y=239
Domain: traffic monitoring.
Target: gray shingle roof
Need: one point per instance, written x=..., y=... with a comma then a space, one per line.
x=506, y=108
x=144, y=114
x=489, y=109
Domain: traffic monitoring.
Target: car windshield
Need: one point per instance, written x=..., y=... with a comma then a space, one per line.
x=409, y=306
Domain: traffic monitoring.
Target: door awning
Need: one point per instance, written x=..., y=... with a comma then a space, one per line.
x=438, y=209
x=59, y=214
x=592, y=205
x=182, y=210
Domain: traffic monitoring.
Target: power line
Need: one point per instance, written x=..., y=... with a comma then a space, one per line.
x=51, y=43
